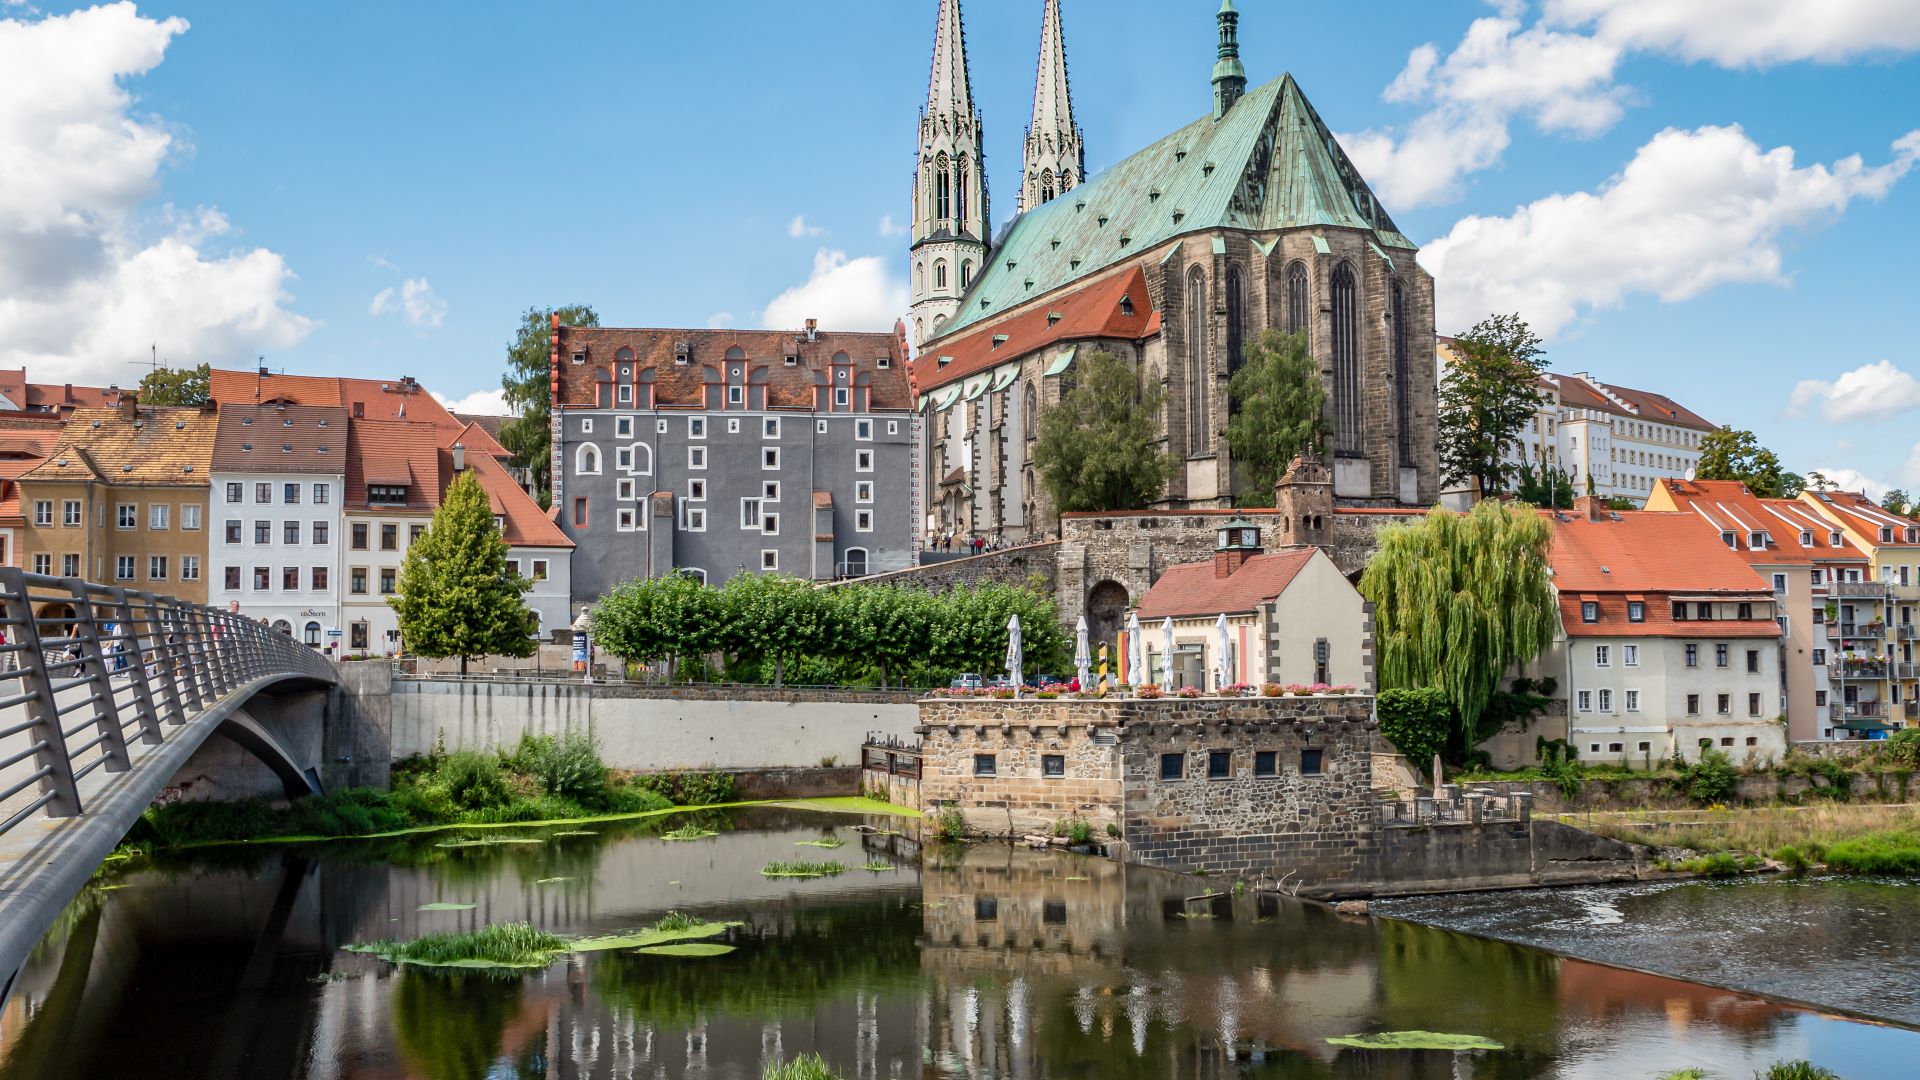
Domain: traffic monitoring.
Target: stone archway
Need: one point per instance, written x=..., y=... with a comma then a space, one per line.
x=1106, y=613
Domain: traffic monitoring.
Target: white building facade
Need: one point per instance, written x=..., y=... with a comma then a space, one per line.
x=274, y=540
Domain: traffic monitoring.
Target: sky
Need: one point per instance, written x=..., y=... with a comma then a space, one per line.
x=1714, y=199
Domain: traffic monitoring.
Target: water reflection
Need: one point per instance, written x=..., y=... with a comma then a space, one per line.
x=976, y=962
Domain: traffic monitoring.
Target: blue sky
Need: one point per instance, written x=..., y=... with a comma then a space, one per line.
x=1670, y=189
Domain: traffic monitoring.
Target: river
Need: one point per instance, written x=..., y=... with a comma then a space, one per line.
x=967, y=963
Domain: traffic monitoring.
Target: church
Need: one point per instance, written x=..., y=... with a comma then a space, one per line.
x=1175, y=259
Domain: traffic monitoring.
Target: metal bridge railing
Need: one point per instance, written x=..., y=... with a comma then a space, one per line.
x=88, y=670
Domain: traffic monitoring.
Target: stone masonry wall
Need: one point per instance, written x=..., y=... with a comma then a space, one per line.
x=1030, y=565
x=1304, y=829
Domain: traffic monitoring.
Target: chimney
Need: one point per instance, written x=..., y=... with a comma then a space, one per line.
x=1591, y=507
x=129, y=405
x=813, y=329
x=459, y=458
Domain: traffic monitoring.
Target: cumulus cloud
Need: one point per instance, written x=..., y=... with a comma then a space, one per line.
x=87, y=281
x=799, y=228
x=1560, y=73
x=843, y=293
x=1749, y=33
x=480, y=402
x=1845, y=479
x=1869, y=392
x=414, y=300
x=1692, y=210
x=890, y=227
x=720, y=320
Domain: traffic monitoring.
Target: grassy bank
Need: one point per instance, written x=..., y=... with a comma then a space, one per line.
x=1854, y=839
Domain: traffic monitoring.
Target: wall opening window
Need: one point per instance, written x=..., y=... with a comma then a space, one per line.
x=1347, y=405
x=1054, y=765
x=1311, y=761
x=1219, y=764
x=1173, y=766
x=985, y=765
x=1265, y=764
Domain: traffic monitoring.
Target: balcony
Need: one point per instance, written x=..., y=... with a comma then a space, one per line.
x=1907, y=631
x=1874, y=589
x=1858, y=670
x=1906, y=672
x=1868, y=630
x=1865, y=710
x=1913, y=710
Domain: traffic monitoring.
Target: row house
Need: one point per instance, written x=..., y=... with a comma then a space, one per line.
x=1624, y=440
x=57, y=401
x=24, y=444
x=719, y=452
x=1810, y=567
x=1670, y=642
x=1872, y=614
x=122, y=499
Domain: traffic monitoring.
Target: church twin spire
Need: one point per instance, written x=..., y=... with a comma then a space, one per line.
x=1055, y=158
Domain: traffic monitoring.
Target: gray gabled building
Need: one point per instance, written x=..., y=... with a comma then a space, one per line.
x=732, y=451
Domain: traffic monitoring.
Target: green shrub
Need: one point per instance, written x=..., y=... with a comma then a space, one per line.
x=950, y=825
x=1792, y=858
x=474, y=781
x=1796, y=1070
x=567, y=765
x=1892, y=853
x=1710, y=780
x=1719, y=864
x=1903, y=749
x=804, y=1067
x=689, y=788
x=1417, y=722
x=1076, y=830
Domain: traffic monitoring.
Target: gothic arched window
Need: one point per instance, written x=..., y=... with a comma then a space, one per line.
x=960, y=194
x=1066, y=180
x=1297, y=320
x=1402, y=393
x=1199, y=372
x=1346, y=361
x=920, y=276
x=942, y=190
x=939, y=273
x=1030, y=411
x=1046, y=185
x=1236, y=319
x=966, y=273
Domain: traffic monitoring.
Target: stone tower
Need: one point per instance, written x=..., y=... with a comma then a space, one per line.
x=950, y=216
x=1055, y=159
x=1303, y=505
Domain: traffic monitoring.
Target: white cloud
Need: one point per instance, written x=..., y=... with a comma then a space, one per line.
x=1853, y=480
x=1423, y=163
x=890, y=227
x=720, y=320
x=480, y=402
x=799, y=229
x=415, y=301
x=1692, y=210
x=1749, y=33
x=1869, y=392
x=86, y=281
x=843, y=293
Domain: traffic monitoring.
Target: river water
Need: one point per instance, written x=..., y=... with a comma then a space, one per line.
x=980, y=962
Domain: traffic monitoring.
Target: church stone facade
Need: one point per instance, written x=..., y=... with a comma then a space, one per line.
x=1175, y=259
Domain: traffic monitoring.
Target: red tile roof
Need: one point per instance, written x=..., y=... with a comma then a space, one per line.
x=682, y=385
x=1652, y=557
x=1865, y=518
x=1089, y=310
x=1723, y=506
x=57, y=398
x=475, y=438
x=281, y=438
x=525, y=524
x=1576, y=392
x=393, y=453
x=1192, y=589
x=364, y=399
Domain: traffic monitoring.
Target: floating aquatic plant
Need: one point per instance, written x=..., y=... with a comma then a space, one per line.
x=1416, y=1040
x=802, y=868
x=550, y=880
x=577, y=832
x=689, y=832
x=519, y=945
x=879, y=867
x=688, y=948
x=490, y=841
x=828, y=842
x=441, y=905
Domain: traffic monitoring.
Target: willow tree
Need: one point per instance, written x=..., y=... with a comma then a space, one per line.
x=1458, y=600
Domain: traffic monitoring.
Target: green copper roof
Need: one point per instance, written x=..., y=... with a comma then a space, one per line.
x=1269, y=164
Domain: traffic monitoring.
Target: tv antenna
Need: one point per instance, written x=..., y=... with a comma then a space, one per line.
x=152, y=363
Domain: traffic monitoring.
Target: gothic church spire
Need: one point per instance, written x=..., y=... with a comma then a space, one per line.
x=950, y=215
x=1229, y=76
x=1055, y=159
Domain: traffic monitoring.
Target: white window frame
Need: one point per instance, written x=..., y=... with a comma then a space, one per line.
x=769, y=524
x=770, y=459
x=819, y=427
x=70, y=515
x=625, y=520
x=893, y=427
x=696, y=427
x=751, y=513
x=697, y=489
x=696, y=457
x=625, y=394
x=542, y=569
x=839, y=397
x=736, y=394
x=623, y=425
x=1629, y=656
x=43, y=513
x=1632, y=700
x=625, y=489
x=189, y=517
x=623, y=458
x=863, y=430
x=863, y=521
x=580, y=455
x=769, y=427
x=1606, y=700
x=1583, y=700
x=769, y=559
x=1603, y=656
x=322, y=493
x=156, y=562
x=769, y=491
x=863, y=460
x=660, y=426
x=863, y=491
x=126, y=516
x=586, y=425
x=159, y=516
x=693, y=518
x=189, y=568
x=123, y=567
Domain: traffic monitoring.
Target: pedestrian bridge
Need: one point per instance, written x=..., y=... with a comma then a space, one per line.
x=104, y=694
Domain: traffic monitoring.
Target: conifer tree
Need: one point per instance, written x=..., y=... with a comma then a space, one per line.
x=457, y=596
x=1279, y=411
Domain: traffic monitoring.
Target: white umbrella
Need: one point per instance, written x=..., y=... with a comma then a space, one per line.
x=1166, y=653
x=1136, y=651
x=1013, y=651
x=1082, y=656
x=1224, y=665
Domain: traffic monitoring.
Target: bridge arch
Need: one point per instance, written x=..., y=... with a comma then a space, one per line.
x=255, y=738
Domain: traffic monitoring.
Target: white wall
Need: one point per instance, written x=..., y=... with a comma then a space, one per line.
x=297, y=607
x=643, y=733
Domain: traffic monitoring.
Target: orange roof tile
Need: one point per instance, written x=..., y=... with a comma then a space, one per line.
x=477, y=438
x=364, y=399
x=1646, y=551
x=1193, y=589
x=394, y=453
x=281, y=438
x=1089, y=310
x=1726, y=506
x=525, y=524
x=161, y=445
x=1866, y=518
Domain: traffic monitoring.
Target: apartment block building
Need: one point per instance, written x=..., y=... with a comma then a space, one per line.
x=1625, y=440
x=1872, y=612
x=720, y=452
x=24, y=443
x=122, y=499
x=1808, y=564
x=279, y=478
x=1671, y=642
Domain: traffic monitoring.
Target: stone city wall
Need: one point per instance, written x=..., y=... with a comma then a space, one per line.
x=1030, y=565
x=1017, y=799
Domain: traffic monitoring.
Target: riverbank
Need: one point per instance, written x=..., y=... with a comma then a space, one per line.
x=1848, y=839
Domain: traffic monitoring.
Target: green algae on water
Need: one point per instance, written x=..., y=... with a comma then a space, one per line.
x=801, y=868
x=577, y=832
x=688, y=948
x=1416, y=1040
x=550, y=880
x=879, y=867
x=490, y=841
x=441, y=905
x=519, y=945
x=828, y=842
x=689, y=832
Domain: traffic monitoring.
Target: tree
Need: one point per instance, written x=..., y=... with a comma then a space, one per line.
x=457, y=596
x=1730, y=454
x=177, y=386
x=663, y=618
x=773, y=617
x=1417, y=722
x=1549, y=486
x=1458, y=599
x=1490, y=392
x=529, y=391
x=1791, y=485
x=1895, y=502
x=1817, y=481
x=1099, y=449
x=1279, y=411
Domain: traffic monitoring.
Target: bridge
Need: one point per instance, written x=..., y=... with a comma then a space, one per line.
x=104, y=694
